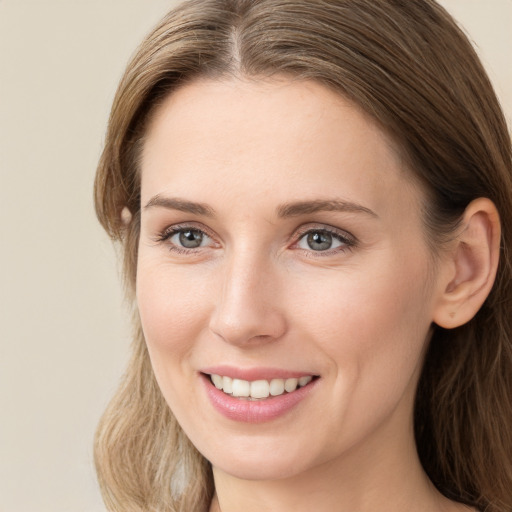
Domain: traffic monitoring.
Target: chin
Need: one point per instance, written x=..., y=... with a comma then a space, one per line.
x=262, y=461
x=271, y=470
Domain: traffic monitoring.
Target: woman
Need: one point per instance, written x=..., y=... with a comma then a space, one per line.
x=314, y=200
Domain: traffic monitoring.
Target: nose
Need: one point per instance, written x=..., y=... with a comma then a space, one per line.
x=248, y=310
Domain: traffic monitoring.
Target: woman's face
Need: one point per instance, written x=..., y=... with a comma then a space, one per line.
x=281, y=239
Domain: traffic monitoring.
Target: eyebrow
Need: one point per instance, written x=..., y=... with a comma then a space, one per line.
x=182, y=205
x=320, y=205
x=285, y=210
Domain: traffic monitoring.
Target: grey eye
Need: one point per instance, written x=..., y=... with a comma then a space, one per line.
x=190, y=238
x=319, y=241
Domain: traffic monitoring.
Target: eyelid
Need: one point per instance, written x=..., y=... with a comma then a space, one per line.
x=342, y=233
x=346, y=237
x=164, y=235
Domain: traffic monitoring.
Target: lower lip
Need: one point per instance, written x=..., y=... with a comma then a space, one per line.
x=254, y=411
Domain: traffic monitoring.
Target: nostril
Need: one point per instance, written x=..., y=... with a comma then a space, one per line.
x=248, y=326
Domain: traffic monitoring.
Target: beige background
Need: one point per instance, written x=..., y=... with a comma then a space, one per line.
x=64, y=336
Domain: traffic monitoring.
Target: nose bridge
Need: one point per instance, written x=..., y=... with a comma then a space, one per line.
x=247, y=308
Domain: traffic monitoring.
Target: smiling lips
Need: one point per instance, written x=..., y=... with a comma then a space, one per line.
x=258, y=389
x=257, y=400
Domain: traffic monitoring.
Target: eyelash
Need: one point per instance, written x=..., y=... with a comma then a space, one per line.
x=347, y=240
x=168, y=233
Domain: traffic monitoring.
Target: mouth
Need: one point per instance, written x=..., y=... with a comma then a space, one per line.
x=261, y=389
x=264, y=395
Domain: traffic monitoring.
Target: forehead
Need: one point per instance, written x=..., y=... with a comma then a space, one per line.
x=297, y=137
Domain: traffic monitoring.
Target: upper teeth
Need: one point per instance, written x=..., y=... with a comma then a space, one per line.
x=258, y=388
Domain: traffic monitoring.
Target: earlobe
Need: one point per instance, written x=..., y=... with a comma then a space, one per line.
x=472, y=265
x=126, y=216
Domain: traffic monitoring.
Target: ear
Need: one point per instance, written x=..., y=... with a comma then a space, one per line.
x=471, y=265
x=126, y=216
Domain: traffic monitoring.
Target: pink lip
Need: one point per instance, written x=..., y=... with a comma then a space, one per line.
x=254, y=411
x=251, y=374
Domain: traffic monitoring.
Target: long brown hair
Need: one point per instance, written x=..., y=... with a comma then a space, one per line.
x=407, y=64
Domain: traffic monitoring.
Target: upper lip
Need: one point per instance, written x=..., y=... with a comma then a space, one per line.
x=252, y=374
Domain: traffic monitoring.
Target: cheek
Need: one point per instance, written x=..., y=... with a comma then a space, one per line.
x=373, y=324
x=372, y=329
x=172, y=307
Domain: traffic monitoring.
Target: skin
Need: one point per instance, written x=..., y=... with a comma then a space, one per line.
x=254, y=293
